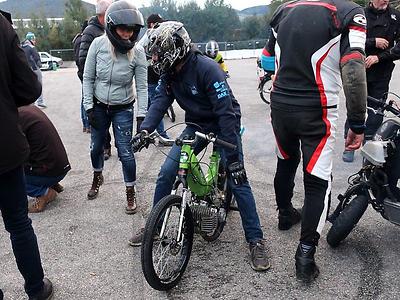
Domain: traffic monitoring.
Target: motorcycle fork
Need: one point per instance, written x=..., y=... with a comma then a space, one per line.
x=181, y=180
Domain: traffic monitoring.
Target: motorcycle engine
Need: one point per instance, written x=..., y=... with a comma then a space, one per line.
x=205, y=216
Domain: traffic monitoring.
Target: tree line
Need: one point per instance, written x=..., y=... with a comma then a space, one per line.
x=216, y=20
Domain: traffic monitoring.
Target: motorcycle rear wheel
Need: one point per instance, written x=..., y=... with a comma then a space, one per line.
x=171, y=114
x=347, y=220
x=222, y=182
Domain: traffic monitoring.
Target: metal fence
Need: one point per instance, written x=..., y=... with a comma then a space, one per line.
x=238, y=45
x=68, y=54
x=65, y=54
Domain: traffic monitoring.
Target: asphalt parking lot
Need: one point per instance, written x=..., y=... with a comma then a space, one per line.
x=84, y=243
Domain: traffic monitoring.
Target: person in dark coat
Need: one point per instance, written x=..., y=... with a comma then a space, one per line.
x=94, y=29
x=76, y=42
x=18, y=86
x=33, y=57
x=381, y=49
x=48, y=162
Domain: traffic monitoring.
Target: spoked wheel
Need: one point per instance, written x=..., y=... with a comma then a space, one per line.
x=171, y=114
x=164, y=257
x=224, y=186
x=265, y=88
x=347, y=220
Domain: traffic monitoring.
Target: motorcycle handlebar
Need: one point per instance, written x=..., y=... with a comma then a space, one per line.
x=211, y=138
x=384, y=105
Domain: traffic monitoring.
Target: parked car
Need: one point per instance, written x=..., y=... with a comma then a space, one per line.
x=48, y=61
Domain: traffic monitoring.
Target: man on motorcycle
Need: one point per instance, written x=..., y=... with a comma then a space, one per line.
x=315, y=42
x=212, y=51
x=202, y=92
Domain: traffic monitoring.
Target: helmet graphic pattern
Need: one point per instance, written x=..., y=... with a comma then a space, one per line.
x=170, y=42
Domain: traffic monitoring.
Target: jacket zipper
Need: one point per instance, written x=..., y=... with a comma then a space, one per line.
x=109, y=87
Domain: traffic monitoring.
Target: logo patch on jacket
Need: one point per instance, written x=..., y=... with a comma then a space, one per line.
x=221, y=89
x=393, y=16
x=360, y=19
x=194, y=90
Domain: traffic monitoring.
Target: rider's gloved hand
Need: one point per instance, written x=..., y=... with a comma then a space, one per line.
x=139, y=121
x=237, y=172
x=139, y=141
x=92, y=119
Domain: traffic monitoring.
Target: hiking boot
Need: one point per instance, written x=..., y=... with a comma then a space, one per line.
x=45, y=293
x=40, y=203
x=131, y=200
x=58, y=188
x=136, y=239
x=98, y=180
x=288, y=217
x=348, y=156
x=258, y=256
x=107, y=153
x=306, y=269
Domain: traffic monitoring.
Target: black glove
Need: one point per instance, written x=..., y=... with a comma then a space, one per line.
x=139, y=121
x=237, y=172
x=92, y=119
x=140, y=141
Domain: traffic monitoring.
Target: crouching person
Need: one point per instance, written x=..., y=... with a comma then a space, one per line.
x=48, y=162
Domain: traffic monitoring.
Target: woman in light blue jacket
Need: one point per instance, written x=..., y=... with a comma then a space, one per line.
x=112, y=62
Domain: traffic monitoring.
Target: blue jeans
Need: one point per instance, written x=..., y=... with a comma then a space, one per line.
x=14, y=209
x=151, y=88
x=37, y=186
x=122, y=123
x=243, y=194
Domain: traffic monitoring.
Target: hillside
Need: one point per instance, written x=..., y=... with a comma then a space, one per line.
x=255, y=10
x=55, y=8
x=48, y=8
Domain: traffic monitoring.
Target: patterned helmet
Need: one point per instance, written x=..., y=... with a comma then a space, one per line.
x=212, y=49
x=170, y=42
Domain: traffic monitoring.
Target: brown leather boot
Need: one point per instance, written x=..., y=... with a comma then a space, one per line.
x=40, y=203
x=131, y=200
x=97, y=182
x=58, y=187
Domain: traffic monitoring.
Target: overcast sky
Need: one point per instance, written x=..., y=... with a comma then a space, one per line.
x=237, y=4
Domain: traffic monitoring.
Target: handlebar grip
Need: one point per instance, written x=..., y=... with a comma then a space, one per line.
x=384, y=105
x=376, y=101
x=225, y=144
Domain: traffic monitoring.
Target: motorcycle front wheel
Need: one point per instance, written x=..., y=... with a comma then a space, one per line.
x=164, y=258
x=347, y=220
x=265, y=88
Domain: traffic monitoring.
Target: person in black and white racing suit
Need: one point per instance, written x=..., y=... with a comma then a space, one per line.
x=319, y=45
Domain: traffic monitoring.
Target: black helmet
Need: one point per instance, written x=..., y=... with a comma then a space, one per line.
x=123, y=13
x=171, y=42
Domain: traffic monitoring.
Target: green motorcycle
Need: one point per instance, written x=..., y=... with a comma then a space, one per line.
x=199, y=202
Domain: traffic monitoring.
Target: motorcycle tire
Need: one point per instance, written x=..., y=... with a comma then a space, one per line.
x=264, y=89
x=167, y=244
x=171, y=114
x=347, y=220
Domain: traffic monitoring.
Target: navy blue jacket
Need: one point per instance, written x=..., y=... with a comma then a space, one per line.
x=202, y=92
